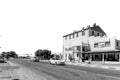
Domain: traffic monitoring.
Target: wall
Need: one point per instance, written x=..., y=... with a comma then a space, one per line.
x=104, y=39
x=76, y=41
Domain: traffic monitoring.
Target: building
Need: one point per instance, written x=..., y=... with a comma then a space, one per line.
x=90, y=43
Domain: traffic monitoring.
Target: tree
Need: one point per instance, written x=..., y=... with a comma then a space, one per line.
x=47, y=54
x=43, y=54
x=9, y=54
x=38, y=53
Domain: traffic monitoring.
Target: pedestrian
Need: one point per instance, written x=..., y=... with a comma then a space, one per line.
x=73, y=60
x=89, y=62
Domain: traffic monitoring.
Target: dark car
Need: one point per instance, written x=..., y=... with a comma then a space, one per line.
x=2, y=59
x=34, y=59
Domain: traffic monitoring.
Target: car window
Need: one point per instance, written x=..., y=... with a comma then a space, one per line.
x=55, y=59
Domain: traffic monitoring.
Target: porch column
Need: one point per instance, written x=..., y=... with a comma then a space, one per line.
x=119, y=57
x=103, y=57
x=65, y=56
x=80, y=56
x=106, y=58
x=90, y=57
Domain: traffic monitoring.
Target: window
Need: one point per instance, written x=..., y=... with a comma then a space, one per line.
x=73, y=35
x=69, y=36
x=78, y=48
x=95, y=45
x=77, y=54
x=66, y=38
x=83, y=33
x=117, y=44
x=70, y=48
x=83, y=48
x=77, y=34
x=101, y=35
x=65, y=49
x=93, y=33
x=98, y=34
x=107, y=44
x=102, y=44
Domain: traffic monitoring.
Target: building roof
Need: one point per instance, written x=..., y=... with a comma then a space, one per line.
x=95, y=27
x=75, y=32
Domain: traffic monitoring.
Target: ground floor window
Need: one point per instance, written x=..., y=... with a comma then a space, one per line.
x=100, y=56
x=112, y=57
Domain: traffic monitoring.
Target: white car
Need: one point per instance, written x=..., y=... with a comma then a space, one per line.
x=56, y=61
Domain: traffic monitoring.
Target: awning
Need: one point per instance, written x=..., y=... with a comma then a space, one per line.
x=102, y=51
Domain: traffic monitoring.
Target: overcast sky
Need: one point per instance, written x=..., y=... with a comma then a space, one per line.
x=28, y=25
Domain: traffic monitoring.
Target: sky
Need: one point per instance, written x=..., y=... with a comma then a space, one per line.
x=29, y=25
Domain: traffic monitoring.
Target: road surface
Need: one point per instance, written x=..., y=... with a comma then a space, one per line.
x=68, y=72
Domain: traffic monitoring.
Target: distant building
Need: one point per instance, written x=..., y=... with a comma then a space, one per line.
x=91, y=43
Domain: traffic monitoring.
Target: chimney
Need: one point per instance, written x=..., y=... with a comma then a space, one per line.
x=94, y=25
x=83, y=28
x=88, y=26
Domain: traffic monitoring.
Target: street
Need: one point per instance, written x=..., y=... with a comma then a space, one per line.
x=68, y=72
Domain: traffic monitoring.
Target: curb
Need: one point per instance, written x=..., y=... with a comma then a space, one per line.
x=95, y=66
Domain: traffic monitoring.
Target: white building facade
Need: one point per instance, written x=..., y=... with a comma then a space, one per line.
x=90, y=43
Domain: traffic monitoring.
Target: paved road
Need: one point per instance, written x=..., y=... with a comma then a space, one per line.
x=68, y=72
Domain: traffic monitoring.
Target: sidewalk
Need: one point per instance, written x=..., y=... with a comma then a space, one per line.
x=11, y=71
x=110, y=66
x=4, y=72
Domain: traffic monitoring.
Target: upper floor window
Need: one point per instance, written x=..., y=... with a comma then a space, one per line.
x=65, y=49
x=69, y=36
x=77, y=34
x=78, y=48
x=86, y=48
x=95, y=45
x=101, y=35
x=66, y=38
x=117, y=44
x=73, y=35
x=83, y=33
x=70, y=48
x=98, y=34
x=102, y=44
x=93, y=32
x=107, y=43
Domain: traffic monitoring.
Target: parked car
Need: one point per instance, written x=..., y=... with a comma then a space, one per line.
x=2, y=59
x=56, y=61
x=34, y=59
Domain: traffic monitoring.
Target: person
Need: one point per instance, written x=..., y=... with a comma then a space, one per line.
x=70, y=58
x=73, y=60
x=89, y=62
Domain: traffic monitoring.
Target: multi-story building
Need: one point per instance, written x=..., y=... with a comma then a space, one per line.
x=91, y=43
